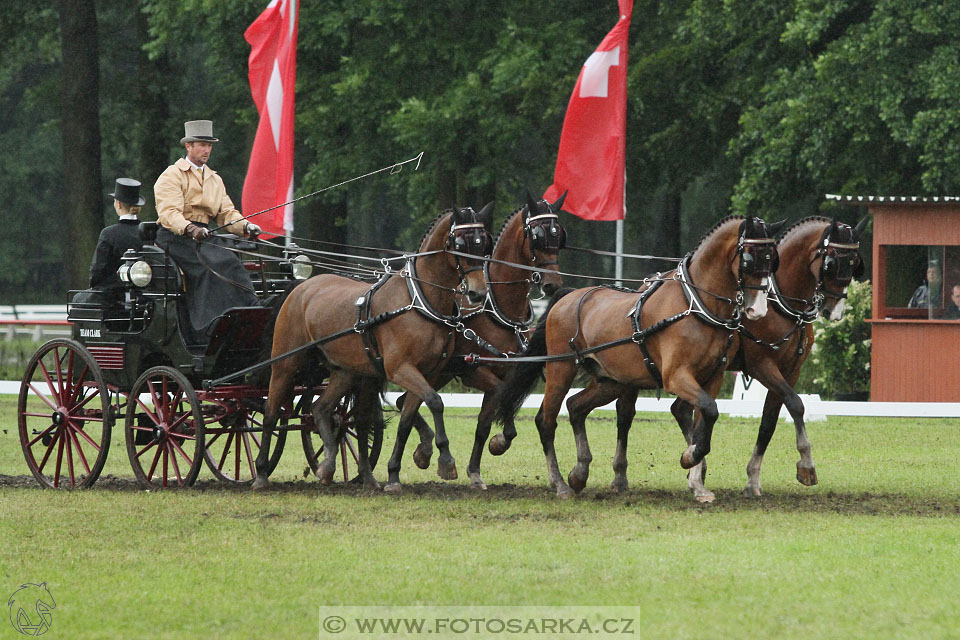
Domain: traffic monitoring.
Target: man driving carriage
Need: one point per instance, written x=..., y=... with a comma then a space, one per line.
x=190, y=198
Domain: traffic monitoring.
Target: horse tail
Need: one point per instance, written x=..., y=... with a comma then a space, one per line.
x=274, y=302
x=519, y=383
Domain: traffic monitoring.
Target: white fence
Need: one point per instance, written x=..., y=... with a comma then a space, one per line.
x=34, y=320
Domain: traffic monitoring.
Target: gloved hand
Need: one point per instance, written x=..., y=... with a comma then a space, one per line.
x=196, y=232
x=253, y=231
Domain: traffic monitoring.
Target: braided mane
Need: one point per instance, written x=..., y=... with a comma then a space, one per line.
x=507, y=221
x=433, y=225
x=800, y=223
x=715, y=227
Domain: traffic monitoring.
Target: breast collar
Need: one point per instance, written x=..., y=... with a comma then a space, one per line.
x=419, y=302
x=696, y=303
x=784, y=308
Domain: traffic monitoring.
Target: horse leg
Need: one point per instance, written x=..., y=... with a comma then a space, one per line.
x=684, y=414
x=560, y=376
x=410, y=378
x=368, y=398
x=597, y=394
x=280, y=392
x=501, y=442
x=408, y=413
x=338, y=385
x=684, y=385
x=424, y=450
x=486, y=381
x=626, y=410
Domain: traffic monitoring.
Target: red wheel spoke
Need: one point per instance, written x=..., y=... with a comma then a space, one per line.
x=353, y=450
x=176, y=447
x=79, y=450
x=56, y=474
x=84, y=434
x=165, y=456
x=176, y=469
x=144, y=450
x=183, y=417
x=80, y=378
x=49, y=450
x=158, y=406
x=236, y=458
x=73, y=481
x=93, y=395
x=54, y=390
x=41, y=434
x=156, y=459
x=59, y=361
x=250, y=456
x=226, y=452
x=216, y=434
x=150, y=414
x=343, y=461
x=43, y=397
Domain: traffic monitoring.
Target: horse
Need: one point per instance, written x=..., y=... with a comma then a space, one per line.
x=399, y=329
x=819, y=258
x=531, y=236
x=684, y=324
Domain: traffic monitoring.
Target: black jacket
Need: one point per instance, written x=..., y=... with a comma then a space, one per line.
x=114, y=241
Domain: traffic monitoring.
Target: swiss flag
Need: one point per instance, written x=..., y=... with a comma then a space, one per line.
x=590, y=161
x=273, y=74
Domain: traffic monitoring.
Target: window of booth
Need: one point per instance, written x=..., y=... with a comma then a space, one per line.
x=922, y=282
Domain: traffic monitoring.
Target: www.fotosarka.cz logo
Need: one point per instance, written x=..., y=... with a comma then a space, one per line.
x=30, y=607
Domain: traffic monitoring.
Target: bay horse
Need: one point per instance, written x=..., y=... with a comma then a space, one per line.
x=532, y=236
x=400, y=329
x=819, y=259
x=677, y=333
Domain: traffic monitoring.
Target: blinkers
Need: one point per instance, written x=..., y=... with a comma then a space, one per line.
x=758, y=256
x=841, y=256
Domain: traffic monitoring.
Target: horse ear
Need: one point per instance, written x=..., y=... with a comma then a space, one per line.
x=858, y=230
x=485, y=214
x=774, y=228
x=531, y=205
x=556, y=206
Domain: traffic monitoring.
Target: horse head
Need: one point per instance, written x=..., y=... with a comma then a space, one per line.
x=757, y=260
x=836, y=263
x=470, y=234
x=547, y=237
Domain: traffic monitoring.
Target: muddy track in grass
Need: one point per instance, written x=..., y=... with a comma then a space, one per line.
x=843, y=503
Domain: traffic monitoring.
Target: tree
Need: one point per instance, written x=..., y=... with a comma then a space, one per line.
x=80, y=86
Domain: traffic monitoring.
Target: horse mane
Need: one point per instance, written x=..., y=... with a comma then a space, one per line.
x=507, y=221
x=715, y=227
x=802, y=222
x=433, y=225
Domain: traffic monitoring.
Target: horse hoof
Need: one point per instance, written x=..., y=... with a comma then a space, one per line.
x=704, y=497
x=371, y=485
x=422, y=455
x=260, y=483
x=619, y=485
x=577, y=481
x=686, y=460
x=447, y=471
x=498, y=445
x=392, y=487
x=325, y=474
x=751, y=491
x=565, y=493
x=807, y=477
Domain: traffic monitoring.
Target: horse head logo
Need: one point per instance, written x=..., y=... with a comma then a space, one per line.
x=30, y=607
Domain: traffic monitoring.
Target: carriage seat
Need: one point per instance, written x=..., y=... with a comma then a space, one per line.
x=239, y=330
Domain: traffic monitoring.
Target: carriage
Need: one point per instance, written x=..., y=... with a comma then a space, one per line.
x=183, y=400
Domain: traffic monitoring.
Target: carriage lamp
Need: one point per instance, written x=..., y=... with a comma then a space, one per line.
x=123, y=272
x=141, y=274
x=301, y=267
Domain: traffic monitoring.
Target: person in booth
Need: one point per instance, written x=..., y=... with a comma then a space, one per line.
x=116, y=239
x=928, y=294
x=191, y=198
x=952, y=312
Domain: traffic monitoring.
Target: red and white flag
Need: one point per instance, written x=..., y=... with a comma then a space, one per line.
x=590, y=161
x=273, y=74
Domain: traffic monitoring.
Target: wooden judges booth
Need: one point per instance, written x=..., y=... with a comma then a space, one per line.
x=915, y=355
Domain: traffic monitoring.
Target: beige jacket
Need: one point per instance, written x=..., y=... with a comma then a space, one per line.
x=183, y=198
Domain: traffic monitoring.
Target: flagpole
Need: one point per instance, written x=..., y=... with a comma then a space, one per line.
x=618, y=264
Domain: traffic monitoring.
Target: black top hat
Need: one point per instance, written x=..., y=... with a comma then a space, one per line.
x=128, y=192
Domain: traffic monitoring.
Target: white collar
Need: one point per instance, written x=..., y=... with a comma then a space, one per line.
x=195, y=166
x=129, y=216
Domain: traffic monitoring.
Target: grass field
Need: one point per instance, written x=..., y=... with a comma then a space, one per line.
x=872, y=551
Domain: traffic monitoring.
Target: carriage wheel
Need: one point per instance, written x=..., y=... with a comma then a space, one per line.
x=164, y=430
x=64, y=416
x=344, y=420
x=231, y=451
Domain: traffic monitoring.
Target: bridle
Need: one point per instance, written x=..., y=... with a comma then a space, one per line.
x=840, y=261
x=471, y=238
x=545, y=233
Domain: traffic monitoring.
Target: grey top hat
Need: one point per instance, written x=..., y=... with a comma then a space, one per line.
x=128, y=192
x=198, y=131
